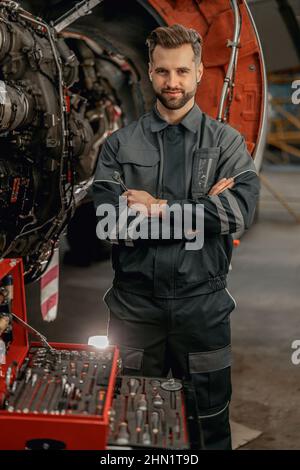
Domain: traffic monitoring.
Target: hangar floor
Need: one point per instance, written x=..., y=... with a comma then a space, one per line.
x=265, y=282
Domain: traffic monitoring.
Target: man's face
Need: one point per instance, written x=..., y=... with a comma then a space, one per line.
x=174, y=75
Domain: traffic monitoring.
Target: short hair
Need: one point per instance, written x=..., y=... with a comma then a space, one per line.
x=175, y=36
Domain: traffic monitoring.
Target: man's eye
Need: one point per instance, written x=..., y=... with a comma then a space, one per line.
x=183, y=72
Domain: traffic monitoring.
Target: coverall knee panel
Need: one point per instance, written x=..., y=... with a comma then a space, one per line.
x=138, y=328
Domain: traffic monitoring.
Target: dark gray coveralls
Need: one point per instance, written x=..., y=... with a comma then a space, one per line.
x=169, y=307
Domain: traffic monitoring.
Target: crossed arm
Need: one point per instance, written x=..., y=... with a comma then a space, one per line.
x=228, y=207
x=143, y=202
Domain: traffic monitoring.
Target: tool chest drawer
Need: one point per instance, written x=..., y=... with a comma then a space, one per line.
x=156, y=413
x=61, y=397
x=53, y=396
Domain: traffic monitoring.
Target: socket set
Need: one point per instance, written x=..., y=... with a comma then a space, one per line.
x=59, y=382
x=149, y=412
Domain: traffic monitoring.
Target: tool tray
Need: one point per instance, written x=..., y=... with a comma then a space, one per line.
x=154, y=412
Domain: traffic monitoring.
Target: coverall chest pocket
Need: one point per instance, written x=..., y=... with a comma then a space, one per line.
x=140, y=167
x=204, y=170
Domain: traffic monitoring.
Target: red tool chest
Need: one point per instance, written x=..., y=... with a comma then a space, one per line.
x=82, y=431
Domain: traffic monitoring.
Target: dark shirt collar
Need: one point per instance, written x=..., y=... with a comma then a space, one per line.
x=191, y=121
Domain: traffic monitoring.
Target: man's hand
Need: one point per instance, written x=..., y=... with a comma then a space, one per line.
x=145, y=203
x=220, y=186
x=148, y=205
x=4, y=322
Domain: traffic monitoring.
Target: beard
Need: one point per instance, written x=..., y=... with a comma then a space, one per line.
x=174, y=102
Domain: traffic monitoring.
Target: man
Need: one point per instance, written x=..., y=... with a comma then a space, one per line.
x=169, y=307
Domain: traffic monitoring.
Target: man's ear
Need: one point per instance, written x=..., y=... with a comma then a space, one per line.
x=199, y=72
x=150, y=71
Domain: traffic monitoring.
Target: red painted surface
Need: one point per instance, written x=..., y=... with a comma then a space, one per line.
x=214, y=21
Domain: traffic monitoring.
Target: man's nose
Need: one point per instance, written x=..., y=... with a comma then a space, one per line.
x=172, y=81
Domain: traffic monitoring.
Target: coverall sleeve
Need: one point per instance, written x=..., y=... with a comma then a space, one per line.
x=232, y=210
x=106, y=191
x=106, y=195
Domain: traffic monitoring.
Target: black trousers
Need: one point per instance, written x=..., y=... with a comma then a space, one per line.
x=190, y=337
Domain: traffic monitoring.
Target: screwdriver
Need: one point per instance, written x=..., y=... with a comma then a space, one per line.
x=158, y=401
x=177, y=426
x=112, y=417
x=139, y=421
x=173, y=400
x=146, y=435
x=118, y=179
x=123, y=435
x=101, y=399
x=142, y=403
x=133, y=387
x=155, y=422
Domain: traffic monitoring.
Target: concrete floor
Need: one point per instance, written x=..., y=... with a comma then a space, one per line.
x=265, y=282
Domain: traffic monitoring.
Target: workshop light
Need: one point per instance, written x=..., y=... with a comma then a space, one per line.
x=100, y=342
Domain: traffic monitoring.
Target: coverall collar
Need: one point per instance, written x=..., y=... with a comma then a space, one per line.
x=190, y=121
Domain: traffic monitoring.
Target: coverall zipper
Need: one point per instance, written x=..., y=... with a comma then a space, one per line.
x=161, y=165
